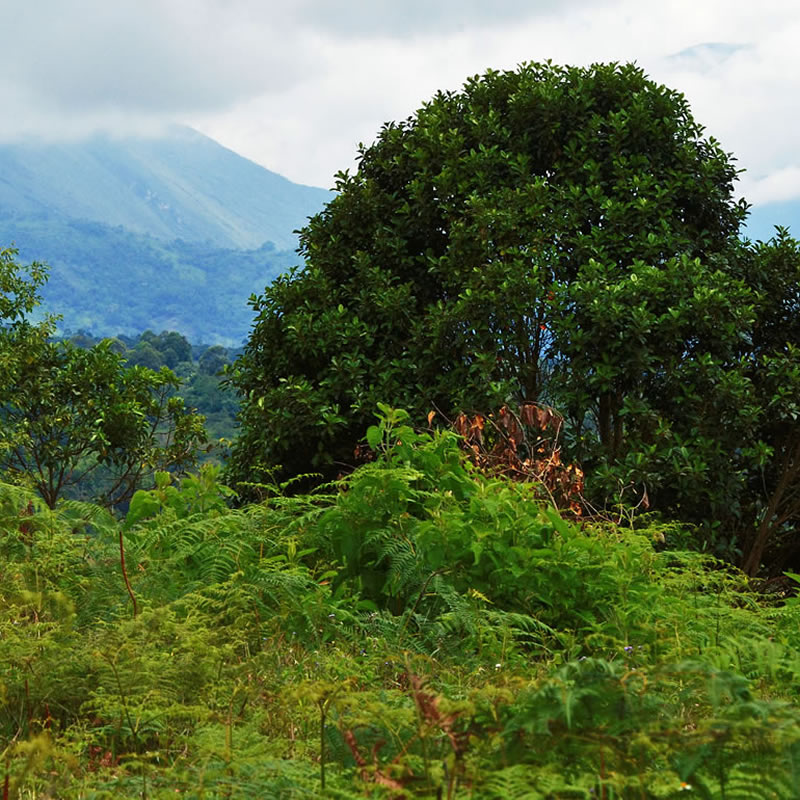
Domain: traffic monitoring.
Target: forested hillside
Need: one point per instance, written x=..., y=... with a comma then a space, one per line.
x=171, y=232
x=109, y=280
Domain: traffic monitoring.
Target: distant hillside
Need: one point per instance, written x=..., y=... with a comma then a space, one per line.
x=108, y=280
x=163, y=233
x=180, y=186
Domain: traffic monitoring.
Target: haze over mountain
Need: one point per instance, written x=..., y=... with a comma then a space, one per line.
x=182, y=185
x=170, y=232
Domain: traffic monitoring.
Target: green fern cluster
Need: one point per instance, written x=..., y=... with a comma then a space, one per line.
x=419, y=631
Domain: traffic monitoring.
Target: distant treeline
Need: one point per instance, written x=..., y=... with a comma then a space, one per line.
x=199, y=366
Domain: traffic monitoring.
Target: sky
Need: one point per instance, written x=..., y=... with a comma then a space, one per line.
x=296, y=85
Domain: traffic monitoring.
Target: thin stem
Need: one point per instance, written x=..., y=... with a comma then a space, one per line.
x=125, y=573
x=322, y=709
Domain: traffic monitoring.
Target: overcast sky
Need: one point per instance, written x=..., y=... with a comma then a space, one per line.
x=296, y=85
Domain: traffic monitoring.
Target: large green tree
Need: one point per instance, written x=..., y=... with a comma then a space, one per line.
x=556, y=235
x=439, y=275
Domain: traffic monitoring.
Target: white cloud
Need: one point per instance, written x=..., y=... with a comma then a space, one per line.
x=297, y=85
x=777, y=187
x=80, y=62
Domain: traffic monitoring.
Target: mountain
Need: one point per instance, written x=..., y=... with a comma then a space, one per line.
x=182, y=185
x=172, y=232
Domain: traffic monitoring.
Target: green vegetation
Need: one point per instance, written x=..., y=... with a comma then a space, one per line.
x=199, y=369
x=552, y=235
x=109, y=280
x=532, y=597
x=428, y=632
x=69, y=414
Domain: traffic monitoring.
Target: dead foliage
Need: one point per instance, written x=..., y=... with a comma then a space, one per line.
x=523, y=444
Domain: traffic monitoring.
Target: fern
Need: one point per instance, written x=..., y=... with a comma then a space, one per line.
x=481, y=646
x=521, y=782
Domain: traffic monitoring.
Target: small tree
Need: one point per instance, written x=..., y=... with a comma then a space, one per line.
x=68, y=415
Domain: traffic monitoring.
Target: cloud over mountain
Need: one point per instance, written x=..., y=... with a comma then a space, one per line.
x=295, y=86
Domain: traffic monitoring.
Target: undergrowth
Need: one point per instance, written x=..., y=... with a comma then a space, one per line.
x=419, y=630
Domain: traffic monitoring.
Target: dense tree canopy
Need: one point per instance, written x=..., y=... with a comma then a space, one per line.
x=430, y=278
x=551, y=234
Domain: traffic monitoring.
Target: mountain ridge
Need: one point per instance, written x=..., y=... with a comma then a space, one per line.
x=151, y=232
x=182, y=185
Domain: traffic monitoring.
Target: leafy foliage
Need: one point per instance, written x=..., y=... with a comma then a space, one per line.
x=66, y=412
x=557, y=236
x=200, y=368
x=428, y=624
x=426, y=631
x=438, y=275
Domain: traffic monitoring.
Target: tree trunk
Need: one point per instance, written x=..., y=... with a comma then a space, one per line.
x=751, y=561
x=779, y=509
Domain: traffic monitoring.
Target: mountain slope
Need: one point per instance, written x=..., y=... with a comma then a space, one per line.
x=182, y=185
x=109, y=280
x=172, y=233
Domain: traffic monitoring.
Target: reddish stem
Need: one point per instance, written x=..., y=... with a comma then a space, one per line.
x=125, y=573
